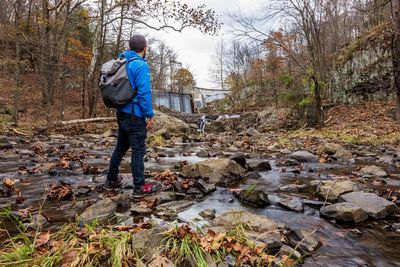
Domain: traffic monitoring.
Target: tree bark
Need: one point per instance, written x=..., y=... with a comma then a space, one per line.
x=396, y=54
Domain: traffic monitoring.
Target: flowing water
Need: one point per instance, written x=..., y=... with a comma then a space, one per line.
x=370, y=245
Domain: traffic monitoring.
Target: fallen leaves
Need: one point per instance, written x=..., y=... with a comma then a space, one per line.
x=60, y=192
x=8, y=182
x=42, y=239
x=166, y=177
x=245, y=250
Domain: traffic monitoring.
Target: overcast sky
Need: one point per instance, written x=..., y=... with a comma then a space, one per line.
x=195, y=49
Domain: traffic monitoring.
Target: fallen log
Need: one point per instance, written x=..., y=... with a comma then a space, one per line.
x=103, y=119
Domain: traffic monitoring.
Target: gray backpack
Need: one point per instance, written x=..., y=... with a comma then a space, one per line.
x=114, y=84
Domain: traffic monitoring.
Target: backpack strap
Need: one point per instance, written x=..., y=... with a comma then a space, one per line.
x=135, y=91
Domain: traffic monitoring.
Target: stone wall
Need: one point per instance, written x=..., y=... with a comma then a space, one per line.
x=363, y=69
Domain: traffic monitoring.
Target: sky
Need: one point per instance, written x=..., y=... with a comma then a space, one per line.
x=195, y=49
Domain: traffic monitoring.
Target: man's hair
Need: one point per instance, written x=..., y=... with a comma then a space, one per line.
x=137, y=43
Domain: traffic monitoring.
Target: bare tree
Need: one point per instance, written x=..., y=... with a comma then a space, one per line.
x=219, y=64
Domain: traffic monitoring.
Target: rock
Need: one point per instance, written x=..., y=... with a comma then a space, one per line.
x=170, y=210
x=344, y=212
x=216, y=171
x=141, y=211
x=314, y=203
x=257, y=223
x=82, y=191
x=40, y=147
x=194, y=191
x=304, y=239
x=253, y=175
x=252, y=132
x=287, y=163
x=329, y=148
x=205, y=187
x=293, y=187
x=293, y=203
x=101, y=210
x=203, y=154
x=240, y=158
x=396, y=227
x=147, y=242
x=375, y=206
x=271, y=238
x=343, y=154
x=4, y=143
x=331, y=190
x=208, y=214
x=38, y=222
x=304, y=156
x=254, y=197
x=373, y=170
x=263, y=166
x=290, y=252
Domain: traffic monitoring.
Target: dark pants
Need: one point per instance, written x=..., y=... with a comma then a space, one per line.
x=131, y=134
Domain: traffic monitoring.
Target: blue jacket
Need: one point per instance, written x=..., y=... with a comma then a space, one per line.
x=139, y=77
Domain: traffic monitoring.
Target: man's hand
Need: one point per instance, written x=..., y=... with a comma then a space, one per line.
x=150, y=124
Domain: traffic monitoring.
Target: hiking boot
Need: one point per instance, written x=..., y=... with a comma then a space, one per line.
x=110, y=185
x=146, y=189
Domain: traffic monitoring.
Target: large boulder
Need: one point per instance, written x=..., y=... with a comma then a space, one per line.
x=376, y=207
x=168, y=124
x=304, y=156
x=217, y=171
x=344, y=212
x=331, y=190
x=256, y=223
x=373, y=171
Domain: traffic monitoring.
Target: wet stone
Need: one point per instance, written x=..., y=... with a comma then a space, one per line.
x=344, y=212
x=376, y=207
x=257, y=223
x=5, y=143
x=293, y=203
x=373, y=171
x=293, y=187
x=331, y=190
x=263, y=166
x=141, y=211
x=315, y=203
x=240, y=158
x=304, y=239
x=206, y=188
x=101, y=210
x=329, y=148
x=304, y=156
x=208, y=214
x=253, y=175
x=254, y=197
x=288, y=251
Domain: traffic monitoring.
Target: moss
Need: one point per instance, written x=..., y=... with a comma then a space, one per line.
x=379, y=36
x=374, y=140
x=156, y=140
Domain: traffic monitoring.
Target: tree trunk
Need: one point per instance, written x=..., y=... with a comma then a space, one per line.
x=396, y=54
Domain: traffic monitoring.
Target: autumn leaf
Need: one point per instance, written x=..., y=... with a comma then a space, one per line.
x=161, y=261
x=42, y=239
x=8, y=182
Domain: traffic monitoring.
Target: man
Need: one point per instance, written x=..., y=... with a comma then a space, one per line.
x=134, y=119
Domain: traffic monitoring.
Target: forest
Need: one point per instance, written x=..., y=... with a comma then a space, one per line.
x=273, y=139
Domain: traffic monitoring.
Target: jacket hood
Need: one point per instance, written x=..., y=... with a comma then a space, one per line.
x=129, y=54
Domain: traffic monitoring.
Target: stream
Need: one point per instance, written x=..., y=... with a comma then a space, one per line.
x=365, y=244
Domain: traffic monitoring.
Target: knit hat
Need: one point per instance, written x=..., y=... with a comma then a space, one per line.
x=137, y=43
